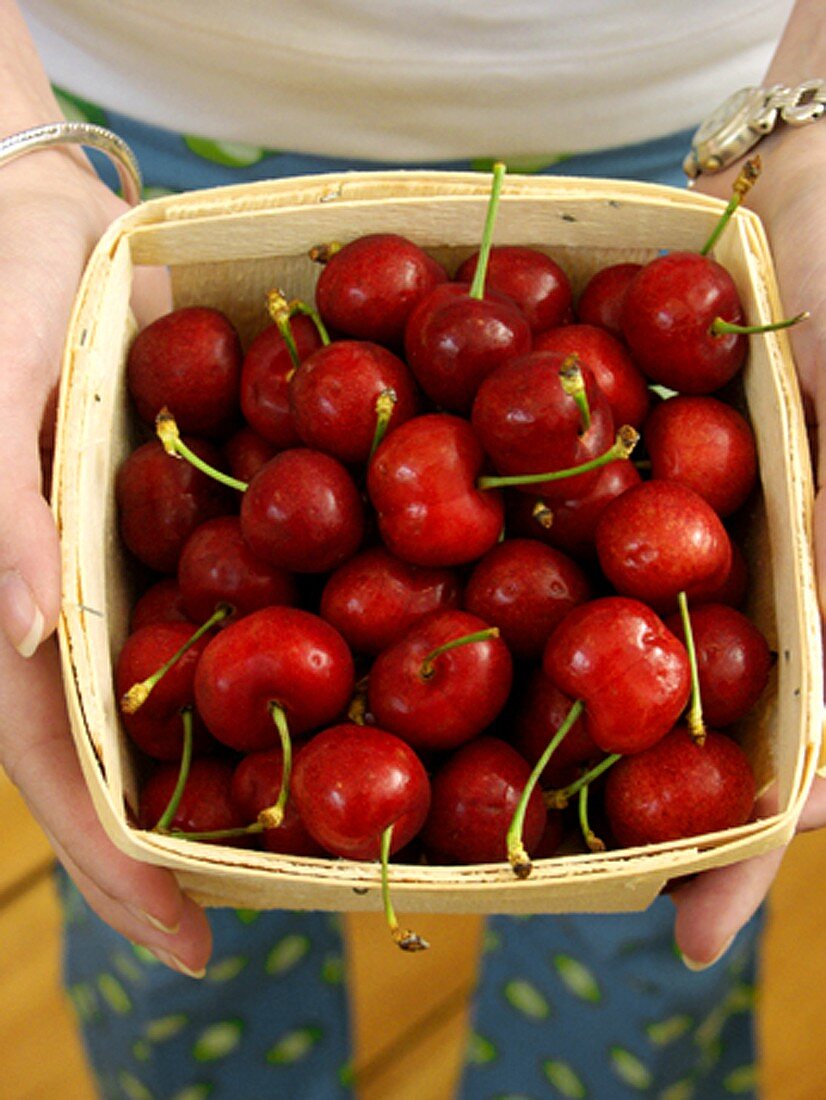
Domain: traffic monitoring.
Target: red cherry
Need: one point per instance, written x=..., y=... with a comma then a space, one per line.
x=528, y=424
x=659, y=539
x=422, y=484
x=667, y=318
x=374, y=598
x=161, y=500
x=267, y=369
x=160, y=603
x=206, y=804
x=474, y=796
x=440, y=703
x=350, y=783
x=530, y=278
x=600, y=302
x=303, y=512
x=246, y=452
x=733, y=660
x=614, y=371
x=217, y=566
x=256, y=786
x=632, y=673
x=188, y=360
x=706, y=444
x=453, y=341
x=368, y=288
x=333, y=396
x=540, y=711
x=679, y=788
x=524, y=588
x=280, y=656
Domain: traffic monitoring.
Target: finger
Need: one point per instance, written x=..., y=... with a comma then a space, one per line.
x=40, y=758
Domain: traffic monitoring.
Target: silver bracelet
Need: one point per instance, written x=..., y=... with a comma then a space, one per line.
x=79, y=133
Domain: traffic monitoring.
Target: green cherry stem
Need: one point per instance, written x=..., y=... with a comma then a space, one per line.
x=167, y=432
x=279, y=310
x=477, y=287
x=573, y=384
x=518, y=857
x=748, y=176
x=385, y=403
x=273, y=816
x=623, y=445
x=404, y=938
x=133, y=699
x=166, y=817
x=427, y=668
x=297, y=306
x=592, y=841
x=694, y=717
x=559, y=799
x=720, y=327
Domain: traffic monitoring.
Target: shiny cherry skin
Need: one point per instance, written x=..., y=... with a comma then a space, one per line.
x=525, y=589
x=303, y=512
x=246, y=452
x=679, y=788
x=667, y=314
x=160, y=603
x=659, y=539
x=206, y=804
x=256, y=785
x=162, y=499
x=540, y=710
x=453, y=341
x=188, y=360
x=527, y=424
x=216, y=566
x=278, y=655
x=333, y=396
x=351, y=782
x=375, y=597
x=533, y=280
x=734, y=661
x=616, y=374
x=631, y=672
x=369, y=287
x=422, y=484
x=475, y=793
x=706, y=444
x=443, y=705
x=265, y=376
x=600, y=302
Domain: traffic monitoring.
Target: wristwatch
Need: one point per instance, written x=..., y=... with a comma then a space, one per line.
x=747, y=116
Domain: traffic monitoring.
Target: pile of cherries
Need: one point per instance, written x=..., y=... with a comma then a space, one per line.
x=441, y=553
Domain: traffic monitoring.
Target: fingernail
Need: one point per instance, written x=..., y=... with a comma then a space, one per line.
x=153, y=922
x=174, y=963
x=20, y=618
x=696, y=966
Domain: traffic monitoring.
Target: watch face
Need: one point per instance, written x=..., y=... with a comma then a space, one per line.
x=733, y=114
x=727, y=133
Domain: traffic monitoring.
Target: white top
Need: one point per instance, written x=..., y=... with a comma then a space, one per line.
x=410, y=79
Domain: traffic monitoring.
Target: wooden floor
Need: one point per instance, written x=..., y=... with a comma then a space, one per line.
x=414, y=1053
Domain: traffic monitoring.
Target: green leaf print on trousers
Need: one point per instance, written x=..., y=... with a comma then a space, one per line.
x=742, y=1080
x=566, y=1082
x=293, y=1046
x=231, y=154
x=226, y=969
x=578, y=978
x=287, y=953
x=164, y=1028
x=479, y=1050
x=527, y=999
x=217, y=1041
x=194, y=1092
x=663, y=1032
x=114, y=994
x=525, y=166
x=629, y=1068
x=133, y=1088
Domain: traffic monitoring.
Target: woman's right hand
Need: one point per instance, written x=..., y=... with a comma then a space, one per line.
x=53, y=209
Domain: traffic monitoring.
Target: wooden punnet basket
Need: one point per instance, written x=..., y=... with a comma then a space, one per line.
x=227, y=248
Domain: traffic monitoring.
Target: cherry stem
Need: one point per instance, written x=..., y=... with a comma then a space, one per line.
x=404, y=938
x=323, y=253
x=559, y=799
x=543, y=515
x=215, y=834
x=720, y=327
x=623, y=446
x=385, y=404
x=166, y=817
x=694, y=717
x=297, y=306
x=133, y=699
x=279, y=310
x=740, y=188
x=427, y=670
x=573, y=384
x=518, y=857
x=357, y=710
x=477, y=287
x=273, y=816
x=592, y=841
x=167, y=432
